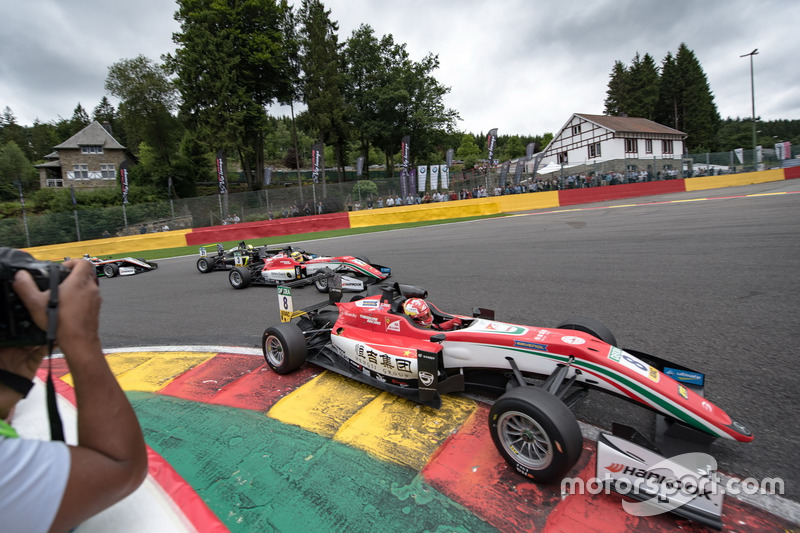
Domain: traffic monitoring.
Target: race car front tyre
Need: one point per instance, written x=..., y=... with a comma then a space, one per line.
x=205, y=265
x=536, y=433
x=284, y=347
x=110, y=270
x=591, y=326
x=240, y=277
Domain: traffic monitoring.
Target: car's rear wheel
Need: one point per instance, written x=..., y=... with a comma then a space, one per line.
x=205, y=265
x=536, y=433
x=284, y=347
x=110, y=270
x=593, y=327
x=240, y=277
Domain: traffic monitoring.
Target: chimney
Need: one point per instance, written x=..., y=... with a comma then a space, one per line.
x=107, y=127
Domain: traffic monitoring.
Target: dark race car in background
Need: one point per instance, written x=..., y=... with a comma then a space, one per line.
x=538, y=374
x=125, y=266
x=357, y=273
x=241, y=254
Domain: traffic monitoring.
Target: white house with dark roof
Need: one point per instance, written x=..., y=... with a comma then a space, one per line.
x=89, y=159
x=639, y=143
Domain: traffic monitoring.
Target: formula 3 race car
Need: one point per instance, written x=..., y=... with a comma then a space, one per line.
x=242, y=254
x=126, y=266
x=537, y=374
x=357, y=272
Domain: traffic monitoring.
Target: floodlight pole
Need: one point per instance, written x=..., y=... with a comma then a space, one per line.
x=753, y=103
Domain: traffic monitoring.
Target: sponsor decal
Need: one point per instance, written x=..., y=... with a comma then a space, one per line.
x=126, y=271
x=531, y=345
x=370, y=319
x=367, y=303
x=506, y=329
x=685, y=376
x=426, y=378
x=387, y=364
x=740, y=428
x=573, y=340
x=682, y=392
x=542, y=335
x=632, y=363
x=392, y=325
x=707, y=406
x=654, y=375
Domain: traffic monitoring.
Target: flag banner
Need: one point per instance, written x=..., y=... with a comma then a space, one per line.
x=317, y=156
x=491, y=140
x=758, y=154
x=434, y=177
x=412, y=183
x=739, y=155
x=359, y=166
x=405, y=152
x=529, y=151
x=169, y=187
x=223, y=184
x=783, y=150
x=537, y=159
x=444, y=176
x=267, y=175
x=449, y=158
x=518, y=170
x=21, y=198
x=422, y=177
x=504, y=172
x=72, y=195
x=123, y=181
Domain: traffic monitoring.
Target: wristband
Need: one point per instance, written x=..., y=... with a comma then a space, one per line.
x=16, y=382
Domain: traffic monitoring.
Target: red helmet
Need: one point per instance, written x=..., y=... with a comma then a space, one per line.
x=418, y=310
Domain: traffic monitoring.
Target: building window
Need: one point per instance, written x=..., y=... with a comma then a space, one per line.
x=666, y=147
x=576, y=130
x=562, y=158
x=108, y=172
x=594, y=150
x=81, y=172
x=648, y=146
x=631, y=146
x=55, y=183
x=91, y=149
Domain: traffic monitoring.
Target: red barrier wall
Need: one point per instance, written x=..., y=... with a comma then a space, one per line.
x=268, y=228
x=791, y=173
x=615, y=192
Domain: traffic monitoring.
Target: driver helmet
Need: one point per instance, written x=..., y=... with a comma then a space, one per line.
x=418, y=310
x=297, y=256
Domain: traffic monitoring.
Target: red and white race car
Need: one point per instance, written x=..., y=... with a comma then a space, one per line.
x=538, y=375
x=357, y=272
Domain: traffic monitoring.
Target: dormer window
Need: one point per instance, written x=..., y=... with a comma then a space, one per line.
x=91, y=149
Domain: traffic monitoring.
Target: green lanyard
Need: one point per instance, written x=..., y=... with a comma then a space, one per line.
x=7, y=431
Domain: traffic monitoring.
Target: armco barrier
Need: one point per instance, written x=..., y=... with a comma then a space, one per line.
x=403, y=214
x=617, y=192
x=268, y=228
x=111, y=245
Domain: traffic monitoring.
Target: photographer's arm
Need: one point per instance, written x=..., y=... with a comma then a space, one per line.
x=110, y=460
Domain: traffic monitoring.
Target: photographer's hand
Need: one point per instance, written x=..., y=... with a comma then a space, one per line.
x=110, y=460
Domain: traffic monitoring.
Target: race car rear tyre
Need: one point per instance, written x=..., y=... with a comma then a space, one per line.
x=110, y=270
x=205, y=265
x=240, y=277
x=592, y=327
x=536, y=433
x=284, y=347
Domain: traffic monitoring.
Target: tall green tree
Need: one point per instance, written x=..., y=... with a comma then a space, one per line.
x=643, y=83
x=147, y=101
x=617, y=93
x=14, y=168
x=230, y=64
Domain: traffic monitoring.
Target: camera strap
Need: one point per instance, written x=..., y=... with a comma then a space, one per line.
x=56, y=426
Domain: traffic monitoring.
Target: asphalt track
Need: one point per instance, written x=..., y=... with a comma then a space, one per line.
x=708, y=279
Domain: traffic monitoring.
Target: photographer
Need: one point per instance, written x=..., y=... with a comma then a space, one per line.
x=48, y=485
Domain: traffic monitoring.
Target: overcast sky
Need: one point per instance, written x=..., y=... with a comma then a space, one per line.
x=522, y=66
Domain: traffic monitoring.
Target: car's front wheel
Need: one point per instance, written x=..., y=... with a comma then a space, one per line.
x=536, y=433
x=240, y=277
x=205, y=265
x=284, y=347
x=593, y=327
x=110, y=270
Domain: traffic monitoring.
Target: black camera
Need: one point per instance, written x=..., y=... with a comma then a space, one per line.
x=16, y=326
